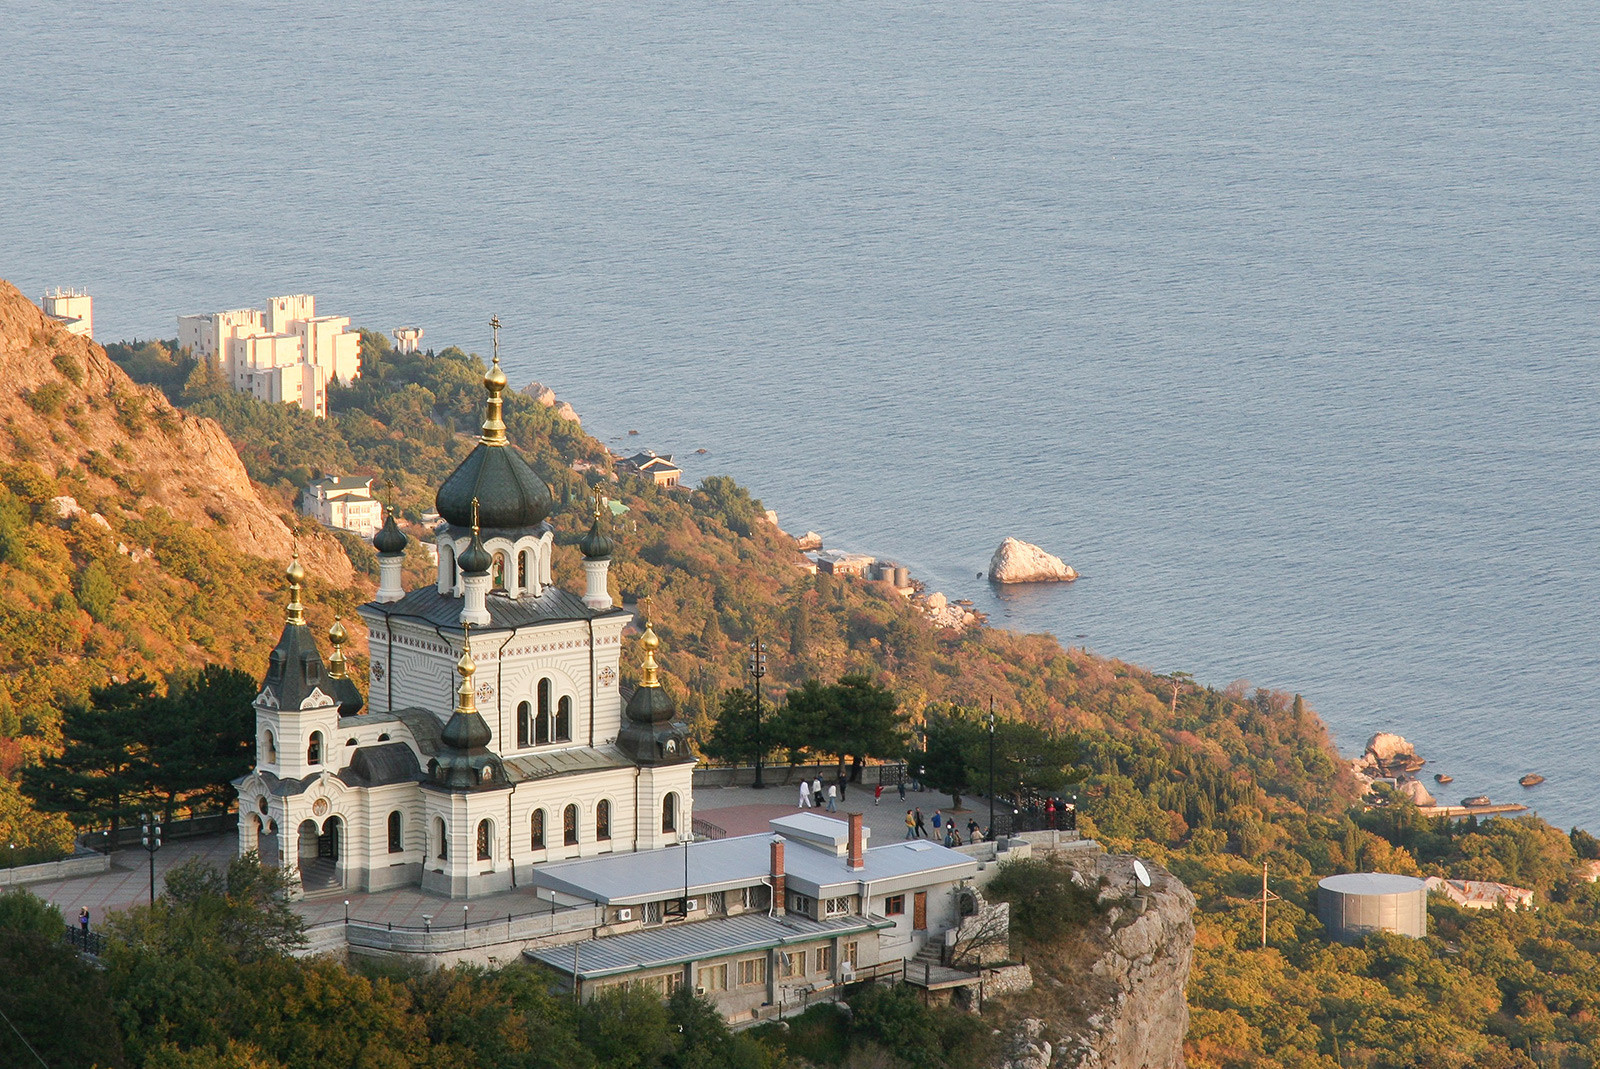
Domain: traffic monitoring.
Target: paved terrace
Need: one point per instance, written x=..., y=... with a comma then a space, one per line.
x=719, y=811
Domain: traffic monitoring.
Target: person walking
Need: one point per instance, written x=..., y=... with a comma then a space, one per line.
x=902, y=786
x=911, y=825
x=877, y=794
x=816, y=791
x=844, y=781
x=938, y=820
x=805, y=796
x=972, y=831
x=833, y=796
x=922, y=829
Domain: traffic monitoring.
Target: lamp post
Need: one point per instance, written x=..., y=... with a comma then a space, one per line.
x=150, y=839
x=347, y=911
x=991, y=766
x=758, y=668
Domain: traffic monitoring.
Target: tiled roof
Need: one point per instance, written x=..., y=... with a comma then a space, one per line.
x=568, y=762
x=676, y=944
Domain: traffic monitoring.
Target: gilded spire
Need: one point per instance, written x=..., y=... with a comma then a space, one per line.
x=494, y=428
x=647, y=668
x=338, y=636
x=297, y=577
x=466, y=704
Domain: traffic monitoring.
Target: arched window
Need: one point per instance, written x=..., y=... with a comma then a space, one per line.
x=569, y=826
x=314, y=750
x=669, y=812
x=444, y=843
x=447, y=565
x=498, y=571
x=485, y=837
x=525, y=570
x=541, y=734
x=564, y=720
x=524, y=723
x=270, y=749
x=538, y=829
x=602, y=820
x=397, y=839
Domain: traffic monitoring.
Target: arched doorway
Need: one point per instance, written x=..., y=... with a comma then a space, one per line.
x=271, y=850
x=318, y=853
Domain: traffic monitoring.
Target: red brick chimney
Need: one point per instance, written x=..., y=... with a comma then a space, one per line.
x=856, y=860
x=775, y=875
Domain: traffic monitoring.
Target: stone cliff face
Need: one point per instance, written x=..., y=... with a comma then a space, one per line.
x=1116, y=997
x=63, y=403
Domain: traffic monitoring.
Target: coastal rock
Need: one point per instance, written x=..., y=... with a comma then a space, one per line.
x=1385, y=746
x=1414, y=790
x=809, y=540
x=1017, y=561
x=541, y=394
x=565, y=411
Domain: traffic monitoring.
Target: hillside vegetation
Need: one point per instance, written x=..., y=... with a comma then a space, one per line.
x=1213, y=783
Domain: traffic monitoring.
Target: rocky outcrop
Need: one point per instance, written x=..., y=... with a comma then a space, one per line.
x=1116, y=998
x=65, y=404
x=540, y=393
x=1017, y=561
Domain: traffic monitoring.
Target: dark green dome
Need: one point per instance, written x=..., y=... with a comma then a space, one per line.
x=651, y=705
x=595, y=545
x=510, y=495
x=475, y=560
x=389, y=540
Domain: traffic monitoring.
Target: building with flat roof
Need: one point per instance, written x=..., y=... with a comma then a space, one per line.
x=759, y=920
x=284, y=354
x=72, y=309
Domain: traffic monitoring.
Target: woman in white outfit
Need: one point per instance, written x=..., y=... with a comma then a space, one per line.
x=805, y=795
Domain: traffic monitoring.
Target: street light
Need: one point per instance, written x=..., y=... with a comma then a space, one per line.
x=150, y=839
x=758, y=668
x=991, y=766
x=347, y=911
x=688, y=837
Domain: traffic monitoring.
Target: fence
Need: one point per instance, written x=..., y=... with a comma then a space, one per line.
x=66, y=869
x=91, y=943
x=442, y=937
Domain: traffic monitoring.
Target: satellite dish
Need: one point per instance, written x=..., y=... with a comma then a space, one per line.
x=1141, y=873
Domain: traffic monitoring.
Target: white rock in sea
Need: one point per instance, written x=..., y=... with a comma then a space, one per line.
x=541, y=393
x=1386, y=746
x=1017, y=561
x=565, y=411
x=1414, y=790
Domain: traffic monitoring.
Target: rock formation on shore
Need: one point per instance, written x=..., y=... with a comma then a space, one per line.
x=1390, y=756
x=1017, y=561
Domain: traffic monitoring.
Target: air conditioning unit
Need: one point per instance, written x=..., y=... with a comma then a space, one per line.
x=700, y=991
x=694, y=903
x=624, y=915
x=847, y=972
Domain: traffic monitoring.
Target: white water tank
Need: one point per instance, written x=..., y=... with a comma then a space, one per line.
x=1359, y=903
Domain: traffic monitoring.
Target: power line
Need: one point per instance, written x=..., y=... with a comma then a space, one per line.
x=24, y=1039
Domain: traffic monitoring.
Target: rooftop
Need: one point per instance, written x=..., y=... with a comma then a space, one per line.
x=676, y=944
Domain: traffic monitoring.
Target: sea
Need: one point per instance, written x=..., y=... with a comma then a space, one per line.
x=1279, y=321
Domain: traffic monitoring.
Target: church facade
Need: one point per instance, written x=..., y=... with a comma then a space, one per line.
x=493, y=734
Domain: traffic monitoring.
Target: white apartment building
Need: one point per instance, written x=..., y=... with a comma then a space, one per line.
x=285, y=355
x=72, y=309
x=344, y=501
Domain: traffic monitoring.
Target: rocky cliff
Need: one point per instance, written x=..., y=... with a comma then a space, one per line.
x=64, y=405
x=1114, y=996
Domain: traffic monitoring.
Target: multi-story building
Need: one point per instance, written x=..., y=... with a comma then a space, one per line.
x=287, y=354
x=72, y=309
x=343, y=501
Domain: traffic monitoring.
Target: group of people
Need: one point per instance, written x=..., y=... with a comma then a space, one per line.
x=811, y=795
x=944, y=828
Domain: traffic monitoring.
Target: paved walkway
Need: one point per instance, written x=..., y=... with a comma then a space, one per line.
x=746, y=811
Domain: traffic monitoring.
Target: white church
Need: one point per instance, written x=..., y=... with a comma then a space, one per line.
x=493, y=735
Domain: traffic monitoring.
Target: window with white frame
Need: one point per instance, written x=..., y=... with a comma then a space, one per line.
x=838, y=907
x=711, y=978
x=799, y=903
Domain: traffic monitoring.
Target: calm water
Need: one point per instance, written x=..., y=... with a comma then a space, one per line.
x=1278, y=321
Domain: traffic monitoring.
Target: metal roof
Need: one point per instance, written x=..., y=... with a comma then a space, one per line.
x=1372, y=883
x=567, y=762
x=377, y=766
x=443, y=610
x=425, y=727
x=721, y=864
x=655, y=948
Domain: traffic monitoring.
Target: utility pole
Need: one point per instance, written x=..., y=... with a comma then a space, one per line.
x=991, y=767
x=1266, y=896
x=150, y=839
x=758, y=668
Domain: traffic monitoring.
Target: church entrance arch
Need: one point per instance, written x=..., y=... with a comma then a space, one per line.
x=317, y=850
x=270, y=849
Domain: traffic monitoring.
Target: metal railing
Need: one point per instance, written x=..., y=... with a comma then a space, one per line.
x=86, y=942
